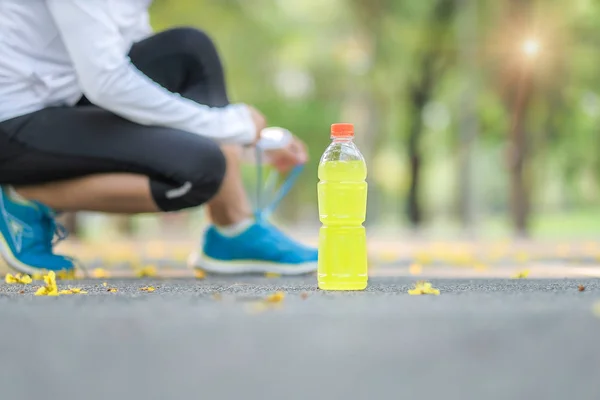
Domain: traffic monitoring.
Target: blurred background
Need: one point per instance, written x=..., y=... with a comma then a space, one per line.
x=478, y=119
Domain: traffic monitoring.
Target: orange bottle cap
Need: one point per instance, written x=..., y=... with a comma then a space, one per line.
x=342, y=130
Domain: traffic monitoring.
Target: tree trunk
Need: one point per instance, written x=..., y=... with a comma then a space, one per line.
x=367, y=101
x=369, y=135
x=433, y=62
x=517, y=155
x=415, y=213
x=518, y=79
x=468, y=115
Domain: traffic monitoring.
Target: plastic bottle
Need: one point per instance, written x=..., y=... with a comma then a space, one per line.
x=342, y=194
x=267, y=194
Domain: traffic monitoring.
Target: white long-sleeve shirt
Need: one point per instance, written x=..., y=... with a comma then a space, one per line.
x=54, y=51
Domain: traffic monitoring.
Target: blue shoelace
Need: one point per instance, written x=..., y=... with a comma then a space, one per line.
x=57, y=233
x=263, y=211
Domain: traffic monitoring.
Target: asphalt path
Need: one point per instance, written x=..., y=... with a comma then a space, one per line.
x=218, y=339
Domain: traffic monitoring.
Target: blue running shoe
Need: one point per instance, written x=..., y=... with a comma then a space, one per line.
x=261, y=248
x=27, y=232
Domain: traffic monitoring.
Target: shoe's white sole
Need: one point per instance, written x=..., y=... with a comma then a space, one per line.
x=12, y=262
x=8, y=255
x=205, y=263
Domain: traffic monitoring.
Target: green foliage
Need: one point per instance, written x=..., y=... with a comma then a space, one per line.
x=308, y=63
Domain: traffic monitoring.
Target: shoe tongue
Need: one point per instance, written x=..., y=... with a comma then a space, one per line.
x=45, y=210
x=44, y=235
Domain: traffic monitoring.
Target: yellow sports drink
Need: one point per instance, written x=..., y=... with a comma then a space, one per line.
x=342, y=191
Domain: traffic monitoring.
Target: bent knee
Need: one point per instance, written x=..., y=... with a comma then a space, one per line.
x=191, y=39
x=200, y=175
x=204, y=176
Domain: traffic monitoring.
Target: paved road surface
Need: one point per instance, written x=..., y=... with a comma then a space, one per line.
x=480, y=339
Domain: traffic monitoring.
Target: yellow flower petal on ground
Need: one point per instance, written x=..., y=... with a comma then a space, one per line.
x=275, y=297
x=112, y=290
x=272, y=275
x=66, y=275
x=422, y=287
x=41, y=291
x=50, y=288
x=100, y=273
x=77, y=291
x=104, y=284
x=17, y=278
x=147, y=289
x=415, y=269
x=38, y=276
x=521, y=274
x=199, y=274
x=148, y=271
x=65, y=291
x=50, y=281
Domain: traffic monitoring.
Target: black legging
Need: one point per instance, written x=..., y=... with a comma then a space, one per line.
x=67, y=142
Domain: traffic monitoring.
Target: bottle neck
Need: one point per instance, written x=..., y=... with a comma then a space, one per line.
x=348, y=139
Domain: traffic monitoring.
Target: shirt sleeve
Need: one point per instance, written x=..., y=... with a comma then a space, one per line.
x=109, y=79
x=143, y=29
